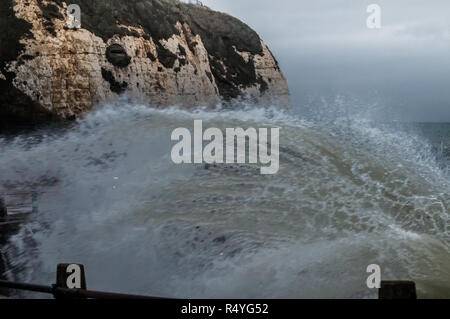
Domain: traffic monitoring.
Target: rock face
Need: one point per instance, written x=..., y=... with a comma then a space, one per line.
x=159, y=52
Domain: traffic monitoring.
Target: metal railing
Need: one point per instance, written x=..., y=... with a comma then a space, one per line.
x=66, y=293
x=64, y=288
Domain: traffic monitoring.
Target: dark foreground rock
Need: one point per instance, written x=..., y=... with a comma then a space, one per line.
x=3, y=209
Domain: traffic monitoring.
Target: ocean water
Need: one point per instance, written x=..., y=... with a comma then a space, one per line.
x=348, y=194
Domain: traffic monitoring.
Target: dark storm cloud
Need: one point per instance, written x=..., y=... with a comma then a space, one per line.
x=326, y=50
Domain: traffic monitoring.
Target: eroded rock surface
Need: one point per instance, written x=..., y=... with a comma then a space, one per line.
x=159, y=52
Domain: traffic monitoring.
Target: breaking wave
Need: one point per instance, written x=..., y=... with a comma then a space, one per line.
x=348, y=194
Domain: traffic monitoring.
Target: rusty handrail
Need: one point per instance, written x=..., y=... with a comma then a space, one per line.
x=65, y=293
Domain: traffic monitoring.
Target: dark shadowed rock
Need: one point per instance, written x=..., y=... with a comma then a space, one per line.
x=3, y=209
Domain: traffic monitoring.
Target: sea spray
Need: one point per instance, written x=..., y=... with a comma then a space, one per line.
x=344, y=198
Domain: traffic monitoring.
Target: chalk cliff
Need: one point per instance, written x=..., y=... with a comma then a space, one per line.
x=159, y=52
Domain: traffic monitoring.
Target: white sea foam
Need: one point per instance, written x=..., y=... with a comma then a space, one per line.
x=347, y=195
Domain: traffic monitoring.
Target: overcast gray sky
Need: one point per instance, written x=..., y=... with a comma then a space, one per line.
x=326, y=50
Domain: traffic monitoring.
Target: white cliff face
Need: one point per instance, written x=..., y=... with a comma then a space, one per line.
x=267, y=69
x=67, y=71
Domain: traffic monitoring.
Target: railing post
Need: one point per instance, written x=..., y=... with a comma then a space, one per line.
x=69, y=276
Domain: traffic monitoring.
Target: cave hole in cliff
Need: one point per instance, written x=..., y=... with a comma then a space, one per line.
x=117, y=55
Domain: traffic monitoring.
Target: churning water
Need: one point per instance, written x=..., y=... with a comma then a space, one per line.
x=346, y=196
